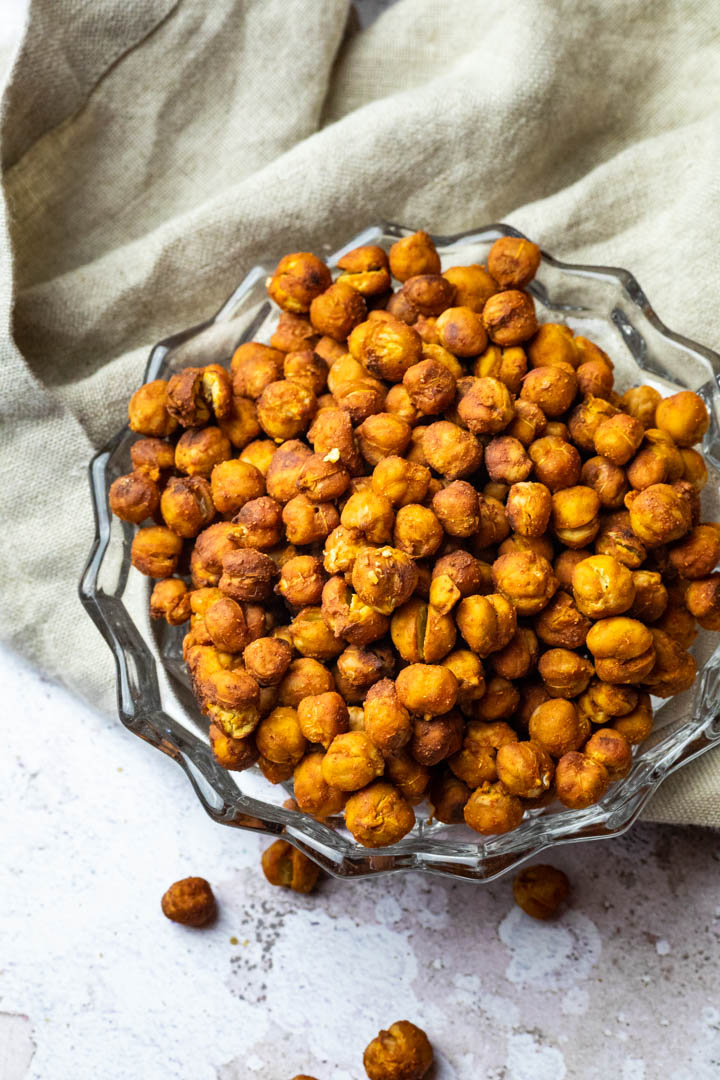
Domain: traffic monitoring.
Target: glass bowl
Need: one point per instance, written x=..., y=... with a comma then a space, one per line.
x=154, y=698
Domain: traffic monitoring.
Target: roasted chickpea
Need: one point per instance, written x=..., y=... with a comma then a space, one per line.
x=703, y=601
x=602, y=701
x=542, y=545
x=552, y=388
x=561, y=625
x=304, y=677
x=475, y=763
x=506, y=460
x=636, y=725
x=697, y=555
x=622, y=648
x=378, y=815
x=461, y=331
x=170, y=600
x=155, y=551
x=233, y=483
x=348, y=617
x=155, y=459
x=528, y=508
x=492, y=809
x=519, y=656
x=253, y=367
x=226, y=625
x=602, y=586
x=564, y=672
x=565, y=563
x=575, y=515
x=580, y=781
x=556, y=461
x=311, y=636
x=428, y=689
x=387, y=721
x=307, y=522
x=609, y=748
x=659, y=514
x=279, y=738
x=312, y=792
x=554, y=343
x=651, y=596
x=285, y=866
x=231, y=699
x=191, y=902
x=341, y=549
x=429, y=294
x=509, y=365
x=236, y=755
x=297, y=280
x=285, y=409
x=285, y=468
x=274, y=772
x=674, y=669
x=186, y=505
x=413, y=255
x=457, y=508
x=366, y=270
x=450, y=450
x=211, y=546
x=400, y=481
x=468, y=574
x=293, y=332
x=259, y=454
x=618, y=437
x=683, y=416
x=558, y=727
x=468, y=670
x=267, y=660
x=509, y=317
x=371, y=514
x=499, y=702
x=607, y=480
x=337, y=310
x=240, y=425
x=473, y=285
x=436, y=738
x=399, y=404
x=694, y=468
x=248, y=575
x=384, y=578
x=525, y=768
x=382, y=434
x=641, y=402
x=323, y=716
x=148, y=411
x=526, y=579
x=430, y=387
x=540, y=890
x=513, y=261
x=595, y=377
x=134, y=497
x=447, y=797
x=417, y=531
x=528, y=424
x=333, y=439
x=586, y=418
x=487, y=407
x=386, y=348
x=301, y=581
x=199, y=450
x=617, y=538
x=486, y=622
x=306, y=368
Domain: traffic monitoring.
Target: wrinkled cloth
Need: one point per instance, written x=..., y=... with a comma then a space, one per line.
x=154, y=150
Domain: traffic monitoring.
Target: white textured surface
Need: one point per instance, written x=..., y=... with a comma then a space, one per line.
x=95, y=982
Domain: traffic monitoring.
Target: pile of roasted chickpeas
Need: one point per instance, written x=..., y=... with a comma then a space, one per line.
x=435, y=555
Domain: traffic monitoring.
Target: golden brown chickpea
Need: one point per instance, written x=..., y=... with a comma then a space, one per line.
x=191, y=902
x=285, y=866
x=450, y=450
x=494, y=489
x=528, y=508
x=703, y=601
x=468, y=670
x=384, y=578
x=155, y=459
x=525, y=768
x=285, y=468
x=352, y=761
x=487, y=407
x=509, y=317
x=499, y=702
x=586, y=418
x=540, y=890
x=428, y=294
x=366, y=270
x=607, y=480
x=641, y=402
x=186, y=505
x=457, y=508
x=148, y=410
x=273, y=772
x=378, y=815
x=401, y=481
x=509, y=365
x=491, y=809
x=602, y=701
x=387, y=721
x=554, y=343
x=609, y=748
x=674, y=669
x=267, y=659
x=236, y=755
x=296, y=281
x=506, y=460
x=526, y=579
x=408, y=775
x=617, y=538
x=312, y=792
x=307, y=522
x=618, y=437
x=199, y=450
x=293, y=332
x=565, y=563
x=226, y=625
x=417, y=531
x=436, y=738
x=494, y=526
x=564, y=673
x=233, y=483
x=259, y=454
x=285, y=409
x=561, y=625
x=332, y=437
x=658, y=514
x=155, y=551
x=602, y=586
x=637, y=724
x=519, y=656
x=513, y=261
x=248, y=575
x=552, y=388
x=371, y=514
x=211, y=546
x=694, y=468
x=595, y=377
x=651, y=596
x=255, y=366
x=683, y=416
x=170, y=600
x=306, y=368
x=386, y=348
x=622, y=648
x=301, y=581
x=430, y=387
x=382, y=434
x=473, y=285
x=580, y=781
x=337, y=310
x=528, y=424
x=413, y=255
x=697, y=555
x=305, y=677
x=323, y=716
x=558, y=727
x=486, y=622
x=231, y=699
x=443, y=594
x=428, y=689
x=399, y=404
x=279, y=738
x=259, y=523
x=134, y=497
x=556, y=461
x=467, y=573
x=575, y=515
x=426, y=327
x=401, y=1053
x=461, y=331
x=447, y=797
x=341, y=549
x=348, y=617
x=311, y=636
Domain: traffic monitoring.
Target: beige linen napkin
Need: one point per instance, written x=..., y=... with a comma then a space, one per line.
x=153, y=150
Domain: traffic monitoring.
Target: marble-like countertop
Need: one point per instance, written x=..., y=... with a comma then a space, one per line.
x=96, y=983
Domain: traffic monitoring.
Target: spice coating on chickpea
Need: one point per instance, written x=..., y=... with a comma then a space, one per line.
x=297, y=280
x=155, y=551
x=683, y=416
x=557, y=727
x=148, y=411
x=602, y=586
x=190, y=902
x=540, y=890
x=285, y=866
x=658, y=514
x=452, y=451
x=403, y=1052
x=134, y=497
x=378, y=815
x=491, y=809
x=428, y=689
x=509, y=317
x=514, y=261
x=580, y=781
x=487, y=407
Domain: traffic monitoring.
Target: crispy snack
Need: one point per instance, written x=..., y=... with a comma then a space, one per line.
x=190, y=902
